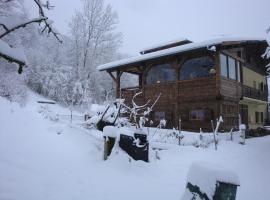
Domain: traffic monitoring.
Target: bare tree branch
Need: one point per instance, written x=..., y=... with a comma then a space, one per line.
x=47, y=24
x=14, y=60
x=36, y=20
x=42, y=18
x=4, y=26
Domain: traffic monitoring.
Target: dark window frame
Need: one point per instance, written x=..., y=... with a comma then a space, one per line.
x=238, y=75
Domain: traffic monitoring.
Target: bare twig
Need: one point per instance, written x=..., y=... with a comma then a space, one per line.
x=22, y=25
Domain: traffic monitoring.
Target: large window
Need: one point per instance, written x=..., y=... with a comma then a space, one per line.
x=161, y=74
x=197, y=67
x=230, y=68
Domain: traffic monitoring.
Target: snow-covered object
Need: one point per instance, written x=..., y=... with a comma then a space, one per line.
x=175, y=50
x=126, y=131
x=242, y=127
x=110, y=131
x=14, y=53
x=206, y=175
x=164, y=44
x=96, y=109
x=162, y=123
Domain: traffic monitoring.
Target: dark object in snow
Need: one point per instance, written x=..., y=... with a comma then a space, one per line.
x=259, y=132
x=108, y=146
x=101, y=124
x=225, y=191
x=86, y=117
x=194, y=189
x=137, y=147
x=207, y=181
x=46, y=102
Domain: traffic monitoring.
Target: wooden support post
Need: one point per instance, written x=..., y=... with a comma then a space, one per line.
x=117, y=81
x=105, y=156
x=118, y=84
x=177, y=64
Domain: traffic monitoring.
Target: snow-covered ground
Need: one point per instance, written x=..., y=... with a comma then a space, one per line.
x=45, y=157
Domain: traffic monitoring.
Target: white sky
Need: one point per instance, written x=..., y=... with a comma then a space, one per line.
x=145, y=23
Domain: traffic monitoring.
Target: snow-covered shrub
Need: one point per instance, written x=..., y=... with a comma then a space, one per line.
x=12, y=85
x=108, y=114
x=48, y=114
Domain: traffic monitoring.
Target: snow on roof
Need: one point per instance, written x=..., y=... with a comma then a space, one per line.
x=174, y=50
x=14, y=53
x=205, y=175
x=165, y=44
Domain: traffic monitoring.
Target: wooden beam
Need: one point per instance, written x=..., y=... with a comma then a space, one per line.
x=111, y=75
x=118, y=83
x=177, y=65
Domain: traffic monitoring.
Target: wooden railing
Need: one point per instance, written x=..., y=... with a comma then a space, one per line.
x=254, y=93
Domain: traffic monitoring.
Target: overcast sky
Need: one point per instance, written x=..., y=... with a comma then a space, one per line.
x=145, y=23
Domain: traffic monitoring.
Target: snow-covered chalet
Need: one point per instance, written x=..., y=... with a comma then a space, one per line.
x=200, y=81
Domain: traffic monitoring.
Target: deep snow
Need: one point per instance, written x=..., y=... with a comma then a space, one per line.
x=45, y=159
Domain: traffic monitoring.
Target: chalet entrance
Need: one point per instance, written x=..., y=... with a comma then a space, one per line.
x=244, y=113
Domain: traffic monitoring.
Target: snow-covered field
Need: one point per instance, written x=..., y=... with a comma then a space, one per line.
x=43, y=157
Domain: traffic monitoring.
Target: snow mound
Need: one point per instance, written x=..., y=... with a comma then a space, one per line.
x=206, y=175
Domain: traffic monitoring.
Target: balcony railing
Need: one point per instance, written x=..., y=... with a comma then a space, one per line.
x=254, y=93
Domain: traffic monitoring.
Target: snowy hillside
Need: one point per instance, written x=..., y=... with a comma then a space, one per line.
x=45, y=158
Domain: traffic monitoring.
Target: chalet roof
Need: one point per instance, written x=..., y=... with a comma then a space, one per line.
x=179, y=49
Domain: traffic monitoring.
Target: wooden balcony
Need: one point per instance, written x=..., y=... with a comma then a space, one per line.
x=254, y=93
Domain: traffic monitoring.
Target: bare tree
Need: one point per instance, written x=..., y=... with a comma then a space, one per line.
x=8, y=52
x=94, y=41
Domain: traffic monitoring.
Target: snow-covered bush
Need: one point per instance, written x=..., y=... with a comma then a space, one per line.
x=12, y=85
x=108, y=114
x=48, y=113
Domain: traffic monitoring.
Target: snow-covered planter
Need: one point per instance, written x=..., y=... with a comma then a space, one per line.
x=207, y=181
x=136, y=146
x=48, y=114
x=132, y=141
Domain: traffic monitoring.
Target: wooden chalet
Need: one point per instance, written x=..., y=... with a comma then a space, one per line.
x=199, y=81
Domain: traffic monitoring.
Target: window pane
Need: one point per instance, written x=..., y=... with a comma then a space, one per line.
x=161, y=74
x=232, y=72
x=223, y=65
x=196, y=68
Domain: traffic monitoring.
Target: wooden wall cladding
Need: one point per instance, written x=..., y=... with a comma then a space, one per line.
x=230, y=88
x=199, y=89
